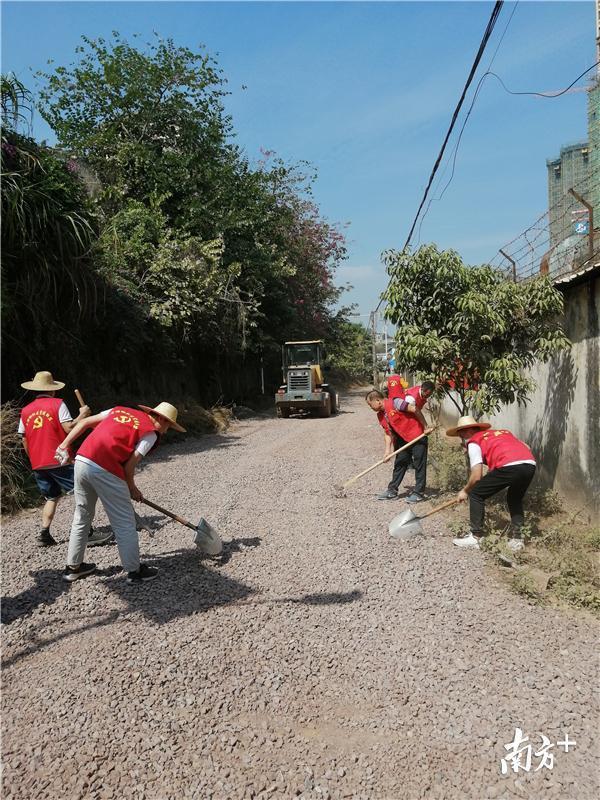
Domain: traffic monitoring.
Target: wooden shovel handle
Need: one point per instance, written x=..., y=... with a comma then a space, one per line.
x=79, y=397
x=169, y=513
x=447, y=504
x=383, y=461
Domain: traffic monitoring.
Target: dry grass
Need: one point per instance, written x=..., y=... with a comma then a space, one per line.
x=561, y=560
x=198, y=420
x=18, y=488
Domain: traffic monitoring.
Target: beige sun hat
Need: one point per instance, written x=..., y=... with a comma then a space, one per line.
x=467, y=422
x=166, y=411
x=43, y=382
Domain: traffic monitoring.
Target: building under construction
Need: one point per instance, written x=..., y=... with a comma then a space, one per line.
x=577, y=167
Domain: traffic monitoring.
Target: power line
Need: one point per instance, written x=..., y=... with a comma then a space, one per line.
x=476, y=94
x=484, y=41
x=549, y=95
x=477, y=90
x=486, y=37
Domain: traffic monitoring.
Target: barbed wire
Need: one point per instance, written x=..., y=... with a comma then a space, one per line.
x=534, y=244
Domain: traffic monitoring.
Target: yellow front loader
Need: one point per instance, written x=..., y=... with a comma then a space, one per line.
x=304, y=386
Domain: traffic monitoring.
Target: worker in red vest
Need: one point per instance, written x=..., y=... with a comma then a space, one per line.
x=104, y=468
x=44, y=424
x=511, y=466
x=402, y=421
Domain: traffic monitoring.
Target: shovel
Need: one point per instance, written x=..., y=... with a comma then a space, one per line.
x=407, y=524
x=205, y=536
x=79, y=397
x=340, y=491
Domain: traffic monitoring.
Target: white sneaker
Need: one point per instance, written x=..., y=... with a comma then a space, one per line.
x=515, y=545
x=467, y=541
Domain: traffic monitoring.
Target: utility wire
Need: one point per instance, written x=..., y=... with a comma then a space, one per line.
x=544, y=94
x=479, y=85
x=473, y=101
x=484, y=41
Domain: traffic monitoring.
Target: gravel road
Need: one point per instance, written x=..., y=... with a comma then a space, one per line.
x=321, y=659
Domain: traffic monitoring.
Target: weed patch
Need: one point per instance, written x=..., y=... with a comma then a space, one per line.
x=446, y=464
x=561, y=561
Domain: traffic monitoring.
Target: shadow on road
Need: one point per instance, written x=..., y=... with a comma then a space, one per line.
x=37, y=644
x=237, y=546
x=48, y=587
x=187, y=584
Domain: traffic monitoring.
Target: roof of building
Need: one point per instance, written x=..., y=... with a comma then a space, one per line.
x=578, y=276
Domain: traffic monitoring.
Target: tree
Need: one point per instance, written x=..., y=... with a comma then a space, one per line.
x=150, y=123
x=349, y=353
x=470, y=329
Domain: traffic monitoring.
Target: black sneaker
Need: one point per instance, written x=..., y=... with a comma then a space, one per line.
x=96, y=538
x=46, y=539
x=415, y=497
x=389, y=494
x=75, y=573
x=144, y=573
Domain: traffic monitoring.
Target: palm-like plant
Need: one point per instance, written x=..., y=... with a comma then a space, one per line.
x=47, y=229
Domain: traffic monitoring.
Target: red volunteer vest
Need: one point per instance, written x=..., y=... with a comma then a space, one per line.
x=43, y=431
x=500, y=448
x=401, y=422
x=113, y=441
x=384, y=423
x=395, y=386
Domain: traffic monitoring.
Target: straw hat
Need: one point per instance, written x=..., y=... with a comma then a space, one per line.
x=165, y=411
x=43, y=382
x=467, y=422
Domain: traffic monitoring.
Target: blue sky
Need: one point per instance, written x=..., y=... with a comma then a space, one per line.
x=365, y=92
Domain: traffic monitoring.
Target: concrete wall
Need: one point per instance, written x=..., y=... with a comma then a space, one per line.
x=561, y=423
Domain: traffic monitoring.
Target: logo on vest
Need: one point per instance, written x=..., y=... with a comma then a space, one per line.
x=127, y=419
x=493, y=433
x=38, y=419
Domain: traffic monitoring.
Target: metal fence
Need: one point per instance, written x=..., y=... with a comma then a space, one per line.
x=536, y=249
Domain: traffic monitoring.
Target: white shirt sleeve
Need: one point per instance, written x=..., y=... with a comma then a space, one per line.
x=410, y=399
x=104, y=414
x=475, y=455
x=146, y=443
x=64, y=415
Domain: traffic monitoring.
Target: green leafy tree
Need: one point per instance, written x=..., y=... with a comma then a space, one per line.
x=349, y=353
x=149, y=122
x=469, y=328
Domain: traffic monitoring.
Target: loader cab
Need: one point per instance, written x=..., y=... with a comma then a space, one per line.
x=302, y=354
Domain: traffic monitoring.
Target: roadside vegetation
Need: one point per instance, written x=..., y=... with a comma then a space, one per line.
x=146, y=256
x=173, y=262
x=561, y=560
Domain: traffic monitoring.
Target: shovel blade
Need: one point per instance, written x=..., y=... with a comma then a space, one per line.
x=207, y=539
x=405, y=525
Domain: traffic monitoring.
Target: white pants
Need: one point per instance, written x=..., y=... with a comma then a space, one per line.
x=93, y=482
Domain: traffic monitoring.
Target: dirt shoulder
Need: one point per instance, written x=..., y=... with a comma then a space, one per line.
x=320, y=659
